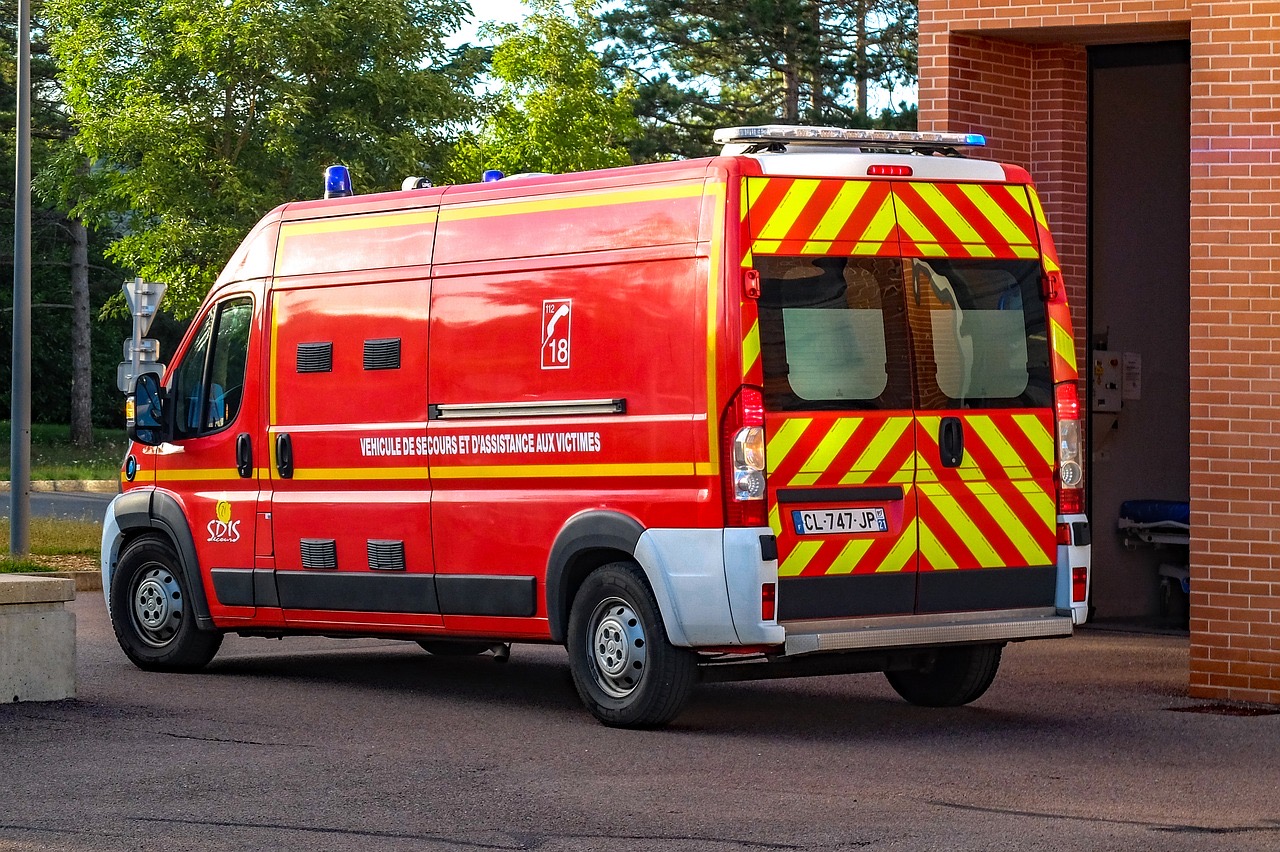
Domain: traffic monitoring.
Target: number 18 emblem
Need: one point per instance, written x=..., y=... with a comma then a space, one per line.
x=557, y=315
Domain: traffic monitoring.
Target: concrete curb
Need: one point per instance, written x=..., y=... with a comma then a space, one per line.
x=94, y=486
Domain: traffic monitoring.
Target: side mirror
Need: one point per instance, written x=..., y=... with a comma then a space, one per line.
x=147, y=425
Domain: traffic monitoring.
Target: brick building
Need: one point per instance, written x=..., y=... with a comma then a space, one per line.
x=1152, y=128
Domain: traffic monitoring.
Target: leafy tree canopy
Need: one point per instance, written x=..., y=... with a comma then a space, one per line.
x=700, y=64
x=552, y=107
x=196, y=116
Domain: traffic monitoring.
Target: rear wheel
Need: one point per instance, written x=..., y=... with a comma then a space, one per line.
x=151, y=610
x=626, y=671
x=955, y=676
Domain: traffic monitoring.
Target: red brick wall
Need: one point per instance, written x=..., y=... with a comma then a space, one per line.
x=1235, y=350
x=1015, y=69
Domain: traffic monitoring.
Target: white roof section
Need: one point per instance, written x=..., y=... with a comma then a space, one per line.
x=804, y=151
x=835, y=162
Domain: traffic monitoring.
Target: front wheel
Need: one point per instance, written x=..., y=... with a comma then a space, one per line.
x=954, y=676
x=151, y=610
x=625, y=669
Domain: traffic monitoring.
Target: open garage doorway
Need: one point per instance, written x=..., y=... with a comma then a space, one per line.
x=1138, y=318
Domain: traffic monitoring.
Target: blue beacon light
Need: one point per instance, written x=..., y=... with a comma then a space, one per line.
x=337, y=182
x=490, y=175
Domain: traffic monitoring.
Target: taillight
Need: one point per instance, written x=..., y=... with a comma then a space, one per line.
x=768, y=601
x=1079, y=583
x=889, y=171
x=1070, y=465
x=743, y=461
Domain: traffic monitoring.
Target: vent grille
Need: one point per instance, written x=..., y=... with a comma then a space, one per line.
x=315, y=357
x=319, y=553
x=382, y=354
x=386, y=555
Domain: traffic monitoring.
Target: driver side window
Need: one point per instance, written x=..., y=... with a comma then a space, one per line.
x=208, y=385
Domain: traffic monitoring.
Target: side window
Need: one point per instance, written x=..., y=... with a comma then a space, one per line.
x=833, y=333
x=979, y=328
x=208, y=385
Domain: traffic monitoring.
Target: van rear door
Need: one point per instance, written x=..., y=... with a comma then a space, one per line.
x=841, y=446
x=984, y=395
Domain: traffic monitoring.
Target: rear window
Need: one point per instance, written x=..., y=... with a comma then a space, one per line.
x=833, y=333
x=979, y=334
x=840, y=333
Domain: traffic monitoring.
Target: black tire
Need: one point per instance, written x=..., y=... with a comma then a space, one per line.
x=626, y=671
x=454, y=647
x=151, y=610
x=954, y=677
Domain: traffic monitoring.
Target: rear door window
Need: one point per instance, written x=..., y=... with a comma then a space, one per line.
x=979, y=333
x=833, y=333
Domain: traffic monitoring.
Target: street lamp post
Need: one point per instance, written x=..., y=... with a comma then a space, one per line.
x=20, y=419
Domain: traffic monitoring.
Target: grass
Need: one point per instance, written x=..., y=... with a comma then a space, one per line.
x=54, y=457
x=56, y=544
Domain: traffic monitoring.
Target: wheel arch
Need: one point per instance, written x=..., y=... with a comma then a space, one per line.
x=142, y=512
x=586, y=542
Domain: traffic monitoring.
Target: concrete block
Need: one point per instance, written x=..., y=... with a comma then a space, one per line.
x=37, y=639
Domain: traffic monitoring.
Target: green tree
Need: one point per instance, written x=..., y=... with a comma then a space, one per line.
x=552, y=107
x=196, y=117
x=700, y=64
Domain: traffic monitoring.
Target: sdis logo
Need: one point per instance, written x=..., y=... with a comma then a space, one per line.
x=224, y=530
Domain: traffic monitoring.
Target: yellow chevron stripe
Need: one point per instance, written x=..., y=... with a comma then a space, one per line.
x=913, y=227
x=782, y=442
x=998, y=445
x=793, y=203
x=1050, y=265
x=1038, y=434
x=995, y=214
x=887, y=437
x=831, y=444
x=775, y=520
x=1063, y=345
x=901, y=557
x=1042, y=502
x=799, y=559
x=878, y=229
x=766, y=246
x=852, y=554
x=1012, y=526
x=750, y=349
x=932, y=551
x=840, y=211
x=954, y=516
x=947, y=212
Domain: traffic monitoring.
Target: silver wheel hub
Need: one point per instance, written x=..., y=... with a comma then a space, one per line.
x=618, y=647
x=157, y=606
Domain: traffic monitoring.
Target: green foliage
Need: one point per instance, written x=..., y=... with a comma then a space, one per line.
x=53, y=537
x=199, y=116
x=701, y=64
x=53, y=456
x=553, y=108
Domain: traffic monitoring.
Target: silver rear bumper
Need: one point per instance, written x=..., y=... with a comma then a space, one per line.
x=812, y=637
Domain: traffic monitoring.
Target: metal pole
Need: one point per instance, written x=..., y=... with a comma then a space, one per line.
x=20, y=420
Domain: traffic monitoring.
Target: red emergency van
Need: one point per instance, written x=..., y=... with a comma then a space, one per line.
x=806, y=407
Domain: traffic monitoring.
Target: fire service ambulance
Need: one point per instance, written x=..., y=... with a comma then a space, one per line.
x=807, y=407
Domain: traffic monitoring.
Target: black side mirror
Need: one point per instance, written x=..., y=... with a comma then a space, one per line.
x=147, y=426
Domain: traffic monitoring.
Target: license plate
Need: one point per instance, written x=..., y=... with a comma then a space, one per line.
x=838, y=521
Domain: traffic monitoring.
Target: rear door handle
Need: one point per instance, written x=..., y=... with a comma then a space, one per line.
x=951, y=441
x=284, y=455
x=244, y=455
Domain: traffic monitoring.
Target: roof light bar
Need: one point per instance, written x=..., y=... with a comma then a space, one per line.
x=797, y=133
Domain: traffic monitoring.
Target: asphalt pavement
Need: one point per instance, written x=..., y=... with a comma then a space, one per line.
x=316, y=744
x=73, y=505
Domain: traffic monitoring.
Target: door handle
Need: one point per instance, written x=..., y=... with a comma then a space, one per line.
x=244, y=455
x=951, y=441
x=284, y=455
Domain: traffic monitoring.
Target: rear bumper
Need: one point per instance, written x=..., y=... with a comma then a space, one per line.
x=920, y=631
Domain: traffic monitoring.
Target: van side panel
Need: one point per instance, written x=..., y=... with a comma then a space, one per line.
x=606, y=331
x=350, y=516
